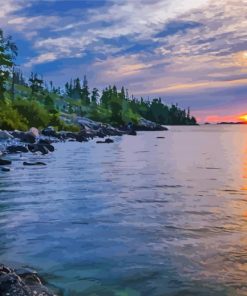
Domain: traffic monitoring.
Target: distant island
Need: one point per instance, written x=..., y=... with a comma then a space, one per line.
x=230, y=122
x=33, y=102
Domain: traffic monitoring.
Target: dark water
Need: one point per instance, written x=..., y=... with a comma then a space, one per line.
x=142, y=216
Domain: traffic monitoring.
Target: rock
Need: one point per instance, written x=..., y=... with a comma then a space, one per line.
x=17, y=149
x=4, y=135
x=39, y=148
x=44, y=141
x=27, y=284
x=5, y=169
x=24, y=136
x=33, y=163
x=5, y=162
x=34, y=131
x=147, y=125
x=50, y=132
x=46, y=144
x=160, y=137
x=107, y=141
x=132, y=133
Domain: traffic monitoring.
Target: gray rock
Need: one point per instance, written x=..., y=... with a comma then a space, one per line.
x=147, y=125
x=24, y=284
x=34, y=131
x=17, y=149
x=4, y=135
x=24, y=136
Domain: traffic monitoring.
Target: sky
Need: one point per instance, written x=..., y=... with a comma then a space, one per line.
x=190, y=52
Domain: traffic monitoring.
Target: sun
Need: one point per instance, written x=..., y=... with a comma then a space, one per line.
x=243, y=118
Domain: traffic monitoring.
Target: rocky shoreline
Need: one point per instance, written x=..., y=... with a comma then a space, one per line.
x=36, y=141
x=21, y=282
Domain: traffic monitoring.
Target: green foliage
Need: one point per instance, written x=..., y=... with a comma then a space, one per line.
x=8, y=52
x=10, y=119
x=34, y=112
x=39, y=105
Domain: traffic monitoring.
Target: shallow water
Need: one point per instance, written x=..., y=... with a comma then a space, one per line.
x=141, y=216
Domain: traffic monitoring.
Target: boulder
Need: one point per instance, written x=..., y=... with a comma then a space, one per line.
x=4, y=135
x=5, y=162
x=24, y=136
x=16, y=149
x=39, y=148
x=50, y=132
x=147, y=125
x=34, y=131
x=27, y=284
x=47, y=145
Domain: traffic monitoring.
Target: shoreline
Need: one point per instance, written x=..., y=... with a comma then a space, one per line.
x=36, y=141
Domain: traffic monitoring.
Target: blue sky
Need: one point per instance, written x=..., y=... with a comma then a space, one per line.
x=193, y=52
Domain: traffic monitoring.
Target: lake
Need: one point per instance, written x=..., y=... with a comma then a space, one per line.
x=142, y=216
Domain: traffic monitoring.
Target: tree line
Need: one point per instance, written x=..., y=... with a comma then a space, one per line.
x=111, y=105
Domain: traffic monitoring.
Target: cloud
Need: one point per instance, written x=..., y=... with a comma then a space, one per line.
x=43, y=58
x=164, y=47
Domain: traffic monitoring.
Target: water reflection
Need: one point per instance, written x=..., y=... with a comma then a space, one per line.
x=142, y=216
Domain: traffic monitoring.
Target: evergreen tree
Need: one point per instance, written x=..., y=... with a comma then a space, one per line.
x=8, y=53
x=85, y=92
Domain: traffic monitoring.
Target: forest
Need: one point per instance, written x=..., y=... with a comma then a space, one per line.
x=27, y=102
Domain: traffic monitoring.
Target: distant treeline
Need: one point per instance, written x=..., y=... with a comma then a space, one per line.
x=34, y=102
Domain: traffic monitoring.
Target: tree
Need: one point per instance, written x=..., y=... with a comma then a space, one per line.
x=8, y=53
x=85, y=92
x=36, y=84
x=95, y=95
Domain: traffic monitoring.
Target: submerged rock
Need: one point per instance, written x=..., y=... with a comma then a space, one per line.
x=5, y=162
x=22, y=284
x=33, y=163
x=5, y=169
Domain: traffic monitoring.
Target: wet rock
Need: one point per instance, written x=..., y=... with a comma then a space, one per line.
x=50, y=132
x=4, y=135
x=5, y=169
x=44, y=141
x=17, y=149
x=107, y=141
x=39, y=148
x=132, y=133
x=160, y=137
x=24, y=284
x=5, y=162
x=24, y=136
x=46, y=144
x=33, y=163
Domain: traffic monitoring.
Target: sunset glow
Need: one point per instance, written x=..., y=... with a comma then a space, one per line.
x=243, y=117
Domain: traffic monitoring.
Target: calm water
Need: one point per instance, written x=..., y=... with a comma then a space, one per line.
x=142, y=216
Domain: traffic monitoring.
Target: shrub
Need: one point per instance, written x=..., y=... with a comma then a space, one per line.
x=35, y=114
x=10, y=119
